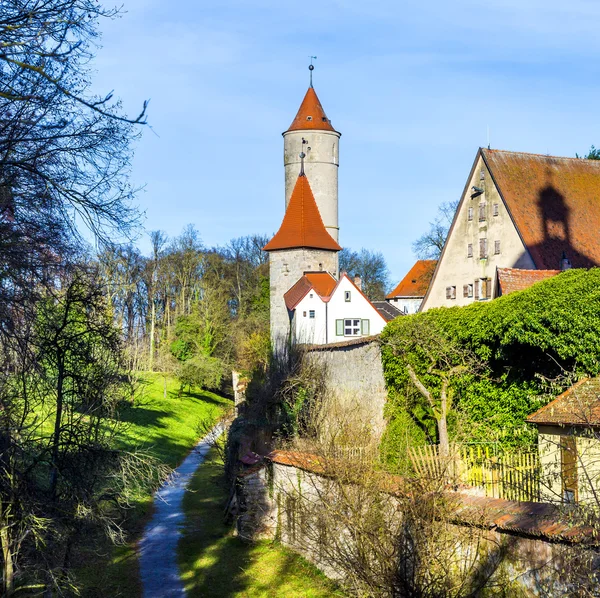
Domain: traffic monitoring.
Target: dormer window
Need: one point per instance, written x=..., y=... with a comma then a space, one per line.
x=309, y=118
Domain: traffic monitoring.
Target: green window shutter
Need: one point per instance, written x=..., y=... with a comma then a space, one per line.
x=339, y=327
x=365, y=327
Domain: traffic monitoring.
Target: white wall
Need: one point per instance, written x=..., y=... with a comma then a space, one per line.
x=455, y=267
x=408, y=305
x=310, y=330
x=358, y=307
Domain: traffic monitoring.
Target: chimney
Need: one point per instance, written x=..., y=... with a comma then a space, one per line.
x=358, y=281
x=565, y=264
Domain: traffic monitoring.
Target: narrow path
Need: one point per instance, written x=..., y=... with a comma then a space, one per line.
x=158, y=546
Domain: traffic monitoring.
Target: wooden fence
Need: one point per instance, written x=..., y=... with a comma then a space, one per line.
x=513, y=476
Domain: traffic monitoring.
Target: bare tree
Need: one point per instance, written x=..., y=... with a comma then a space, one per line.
x=371, y=267
x=430, y=244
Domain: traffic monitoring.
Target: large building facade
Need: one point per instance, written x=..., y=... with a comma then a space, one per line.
x=518, y=212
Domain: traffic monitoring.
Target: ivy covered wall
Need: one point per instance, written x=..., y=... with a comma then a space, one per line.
x=503, y=359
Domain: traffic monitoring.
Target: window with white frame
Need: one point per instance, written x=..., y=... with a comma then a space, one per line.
x=347, y=295
x=496, y=247
x=352, y=327
x=496, y=209
x=311, y=313
x=470, y=214
x=470, y=250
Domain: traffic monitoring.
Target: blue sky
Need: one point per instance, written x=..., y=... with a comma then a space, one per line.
x=412, y=86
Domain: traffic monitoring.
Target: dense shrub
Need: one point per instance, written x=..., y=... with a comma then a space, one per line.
x=530, y=345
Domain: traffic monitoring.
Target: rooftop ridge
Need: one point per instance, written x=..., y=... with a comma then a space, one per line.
x=492, y=150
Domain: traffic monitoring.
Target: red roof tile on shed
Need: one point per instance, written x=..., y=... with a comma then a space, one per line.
x=302, y=225
x=322, y=282
x=516, y=279
x=416, y=282
x=577, y=406
x=311, y=108
x=554, y=202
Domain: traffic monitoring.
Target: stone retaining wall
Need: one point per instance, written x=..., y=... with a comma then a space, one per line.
x=354, y=376
x=535, y=547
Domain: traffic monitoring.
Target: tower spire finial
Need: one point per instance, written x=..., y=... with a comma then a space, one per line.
x=311, y=68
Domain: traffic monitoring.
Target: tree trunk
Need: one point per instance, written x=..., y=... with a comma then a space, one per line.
x=442, y=421
x=57, y=423
x=152, y=326
x=8, y=573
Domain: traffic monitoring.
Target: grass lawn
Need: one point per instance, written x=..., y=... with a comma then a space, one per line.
x=213, y=562
x=168, y=428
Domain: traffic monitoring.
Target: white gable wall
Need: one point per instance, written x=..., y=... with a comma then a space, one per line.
x=407, y=305
x=456, y=268
x=358, y=308
x=310, y=330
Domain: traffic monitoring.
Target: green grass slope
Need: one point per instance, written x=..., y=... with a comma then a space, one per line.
x=168, y=428
x=215, y=563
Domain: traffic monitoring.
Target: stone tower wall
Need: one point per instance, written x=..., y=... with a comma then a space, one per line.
x=321, y=167
x=286, y=267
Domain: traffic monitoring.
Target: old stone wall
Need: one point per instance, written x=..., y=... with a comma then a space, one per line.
x=272, y=496
x=354, y=378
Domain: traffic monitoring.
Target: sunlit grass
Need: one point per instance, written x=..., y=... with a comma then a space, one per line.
x=215, y=563
x=168, y=429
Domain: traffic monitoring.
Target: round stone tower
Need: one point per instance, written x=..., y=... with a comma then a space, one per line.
x=311, y=133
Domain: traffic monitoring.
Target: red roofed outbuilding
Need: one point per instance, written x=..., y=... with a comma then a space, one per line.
x=408, y=295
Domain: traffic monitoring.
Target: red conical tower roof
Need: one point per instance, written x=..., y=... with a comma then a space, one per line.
x=311, y=114
x=302, y=224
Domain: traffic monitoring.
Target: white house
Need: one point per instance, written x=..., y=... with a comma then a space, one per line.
x=408, y=295
x=323, y=310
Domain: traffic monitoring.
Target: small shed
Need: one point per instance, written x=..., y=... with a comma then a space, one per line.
x=569, y=444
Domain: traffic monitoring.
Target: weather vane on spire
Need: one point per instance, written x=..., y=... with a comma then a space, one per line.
x=311, y=68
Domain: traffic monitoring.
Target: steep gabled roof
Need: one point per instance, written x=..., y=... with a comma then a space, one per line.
x=554, y=203
x=311, y=115
x=517, y=279
x=577, y=406
x=416, y=282
x=321, y=282
x=387, y=310
x=302, y=225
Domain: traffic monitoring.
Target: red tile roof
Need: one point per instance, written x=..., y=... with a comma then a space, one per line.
x=554, y=202
x=322, y=283
x=311, y=109
x=516, y=279
x=577, y=406
x=302, y=225
x=416, y=282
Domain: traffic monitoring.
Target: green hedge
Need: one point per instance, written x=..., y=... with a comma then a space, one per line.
x=529, y=343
